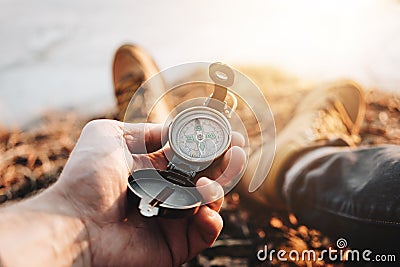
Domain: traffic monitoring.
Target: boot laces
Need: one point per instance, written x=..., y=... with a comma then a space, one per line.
x=334, y=123
x=125, y=89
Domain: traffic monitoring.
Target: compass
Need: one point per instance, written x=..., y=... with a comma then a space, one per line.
x=197, y=136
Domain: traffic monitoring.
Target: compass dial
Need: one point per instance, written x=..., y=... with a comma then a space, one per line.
x=200, y=134
x=201, y=138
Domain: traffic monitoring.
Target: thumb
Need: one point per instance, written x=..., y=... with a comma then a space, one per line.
x=143, y=138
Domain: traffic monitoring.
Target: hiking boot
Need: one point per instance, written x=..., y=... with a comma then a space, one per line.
x=328, y=116
x=131, y=68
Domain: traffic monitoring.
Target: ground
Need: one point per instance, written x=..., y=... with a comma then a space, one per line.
x=32, y=159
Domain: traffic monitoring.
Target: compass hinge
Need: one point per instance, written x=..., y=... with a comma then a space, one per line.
x=189, y=174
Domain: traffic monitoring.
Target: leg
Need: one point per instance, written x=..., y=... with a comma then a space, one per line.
x=352, y=194
x=331, y=115
x=343, y=191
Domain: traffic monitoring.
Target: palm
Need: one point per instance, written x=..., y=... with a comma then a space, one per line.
x=117, y=231
x=145, y=242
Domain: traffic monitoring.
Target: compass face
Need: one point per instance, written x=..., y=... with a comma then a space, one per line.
x=200, y=134
x=201, y=138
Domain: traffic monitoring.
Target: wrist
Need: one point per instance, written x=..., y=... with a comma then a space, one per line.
x=47, y=229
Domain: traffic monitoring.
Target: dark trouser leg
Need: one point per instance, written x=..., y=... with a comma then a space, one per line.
x=351, y=194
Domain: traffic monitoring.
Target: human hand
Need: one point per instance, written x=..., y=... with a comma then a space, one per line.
x=94, y=183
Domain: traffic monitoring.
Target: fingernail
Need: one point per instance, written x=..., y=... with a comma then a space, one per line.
x=215, y=190
x=128, y=137
x=211, y=213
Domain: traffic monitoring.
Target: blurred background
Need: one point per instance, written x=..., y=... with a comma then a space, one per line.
x=57, y=54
